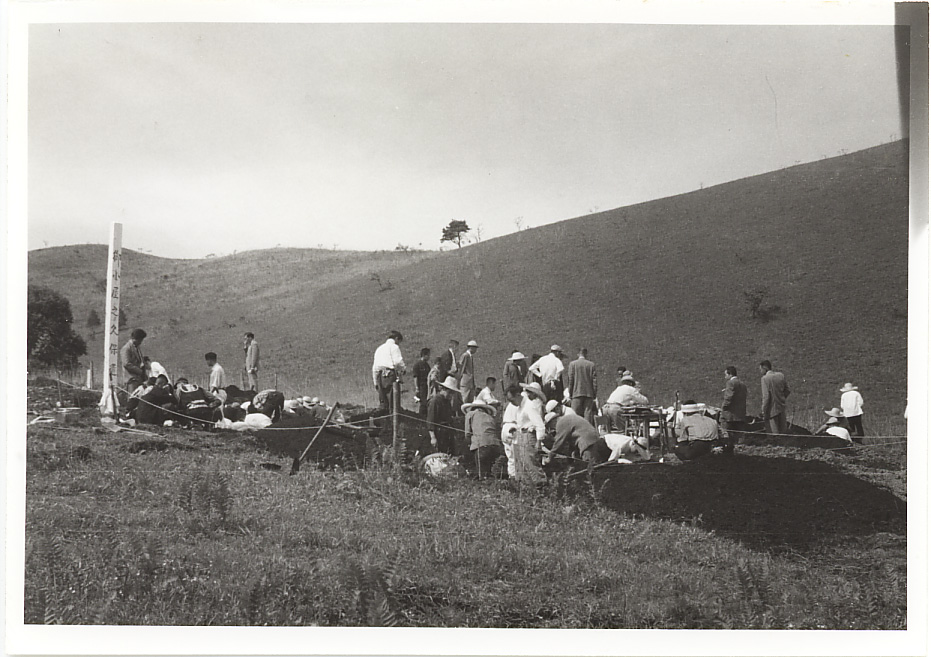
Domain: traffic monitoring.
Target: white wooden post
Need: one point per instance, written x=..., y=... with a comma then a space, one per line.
x=111, y=356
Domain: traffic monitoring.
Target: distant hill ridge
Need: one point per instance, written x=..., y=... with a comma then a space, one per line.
x=660, y=287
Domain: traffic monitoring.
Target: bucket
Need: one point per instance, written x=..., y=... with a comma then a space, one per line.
x=67, y=415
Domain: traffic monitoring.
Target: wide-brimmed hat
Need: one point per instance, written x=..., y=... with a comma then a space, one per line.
x=832, y=420
x=472, y=343
x=450, y=384
x=848, y=387
x=692, y=408
x=555, y=347
x=551, y=405
x=517, y=356
x=834, y=412
x=628, y=377
x=534, y=388
x=549, y=417
x=477, y=404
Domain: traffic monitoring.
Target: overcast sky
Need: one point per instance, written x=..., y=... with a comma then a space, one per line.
x=209, y=138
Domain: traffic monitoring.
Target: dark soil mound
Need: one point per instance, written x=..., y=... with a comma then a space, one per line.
x=763, y=502
x=140, y=446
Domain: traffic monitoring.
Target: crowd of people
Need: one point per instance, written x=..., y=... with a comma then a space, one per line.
x=149, y=396
x=550, y=406
x=545, y=404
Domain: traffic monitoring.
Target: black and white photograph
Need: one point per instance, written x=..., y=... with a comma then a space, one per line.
x=339, y=317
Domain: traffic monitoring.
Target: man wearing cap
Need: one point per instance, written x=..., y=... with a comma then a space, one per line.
x=549, y=368
x=697, y=433
x=835, y=425
x=482, y=434
x=734, y=408
x=624, y=396
x=387, y=367
x=467, y=372
x=440, y=416
x=530, y=433
x=575, y=437
x=314, y=408
x=515, y=371
x=582, y=385
x=851, y=401
x=775, y=391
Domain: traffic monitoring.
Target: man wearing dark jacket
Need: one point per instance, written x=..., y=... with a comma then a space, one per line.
x=734, y=408
x=775, y=390
x=582, y=384
x=449, y=363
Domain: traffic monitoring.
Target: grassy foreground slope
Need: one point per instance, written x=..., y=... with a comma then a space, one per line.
x=659, y=287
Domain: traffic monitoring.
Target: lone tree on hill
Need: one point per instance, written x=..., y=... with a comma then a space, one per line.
x=50, y=340
x=455, y=232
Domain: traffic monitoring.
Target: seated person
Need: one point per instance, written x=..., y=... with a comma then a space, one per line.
x=697, y=434
x=482, y=434
x=487, y=396
x=315, y=409
x=198, y=405
x=154, y=403
x=294, y=407
x=132, y=404
x=627, y=394
x=575, y=437
x=835, y=425
x=270, y=402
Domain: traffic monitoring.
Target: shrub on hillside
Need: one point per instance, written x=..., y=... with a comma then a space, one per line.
x=50, y=340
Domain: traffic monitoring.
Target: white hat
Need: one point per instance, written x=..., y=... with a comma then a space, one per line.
x=692, y=408
x=848, y=387
x=555, y=347
x=246, y=405
x=535, y=389
x=551, y=405
x=548, y=417
x=315, y=400
x=628, y=377
x=472, y=343
x=517, y=356
x=477, y=404
x=451, y=384
x=835, y=412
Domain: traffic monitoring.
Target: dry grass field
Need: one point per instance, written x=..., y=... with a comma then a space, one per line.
x=193, y=528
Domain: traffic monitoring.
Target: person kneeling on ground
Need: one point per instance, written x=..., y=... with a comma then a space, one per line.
x=270, y=402
x=835, y=425
x=196, y=404
x=154, y=403
x=575, y=437
x=698, y=434
x=482, y=434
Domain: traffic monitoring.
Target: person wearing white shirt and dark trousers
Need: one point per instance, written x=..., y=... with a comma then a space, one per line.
x=550, y=368
x=387, y=368
x=851, y=402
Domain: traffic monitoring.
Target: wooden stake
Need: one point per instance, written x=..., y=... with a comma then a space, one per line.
x=319, y=431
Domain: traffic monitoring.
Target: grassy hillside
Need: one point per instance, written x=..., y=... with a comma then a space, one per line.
x=659, y=287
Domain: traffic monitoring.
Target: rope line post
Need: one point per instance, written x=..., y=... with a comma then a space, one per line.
x=395, y=402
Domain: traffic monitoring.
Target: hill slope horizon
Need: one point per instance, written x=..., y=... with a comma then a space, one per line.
x=660, y=287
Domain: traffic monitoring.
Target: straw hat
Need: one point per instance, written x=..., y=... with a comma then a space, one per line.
x=450, y=384
x=472, y=343
x=692, y=408
x=834, y=412
x=517, y=356
x=555, y=348
x=848, y=387
x=534, y=389
x=477, y=404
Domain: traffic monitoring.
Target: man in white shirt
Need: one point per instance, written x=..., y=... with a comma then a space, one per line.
x=550, y=368
x=530, y=433
x=851, y=402
x=217, y=385
x=509, y=427
x=486, y=396
x=387, y=367
x=625, y=395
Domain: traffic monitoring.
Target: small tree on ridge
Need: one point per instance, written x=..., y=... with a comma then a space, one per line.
x=455, y=232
